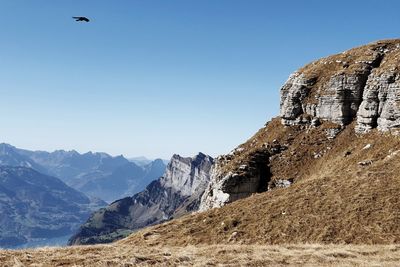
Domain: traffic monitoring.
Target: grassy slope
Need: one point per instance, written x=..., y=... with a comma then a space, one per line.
x=333, y=199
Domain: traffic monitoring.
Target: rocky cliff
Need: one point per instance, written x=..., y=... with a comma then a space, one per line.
x=176, y=193
x=361, y=85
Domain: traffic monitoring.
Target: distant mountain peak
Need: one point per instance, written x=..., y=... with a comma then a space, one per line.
x=158, y=161
x=5, y=146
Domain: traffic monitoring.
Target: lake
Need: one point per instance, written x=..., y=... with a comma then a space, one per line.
x=44, y=242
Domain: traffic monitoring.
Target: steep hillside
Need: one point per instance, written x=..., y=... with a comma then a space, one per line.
x=322, y=177
x=346, y=194
x=34, y=205
x=359, y=87
x=95, y=174
x=176, y=193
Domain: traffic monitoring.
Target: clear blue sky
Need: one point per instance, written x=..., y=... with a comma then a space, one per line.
x=155, y=78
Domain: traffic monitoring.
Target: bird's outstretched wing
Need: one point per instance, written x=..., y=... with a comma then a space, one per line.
x=81, y=19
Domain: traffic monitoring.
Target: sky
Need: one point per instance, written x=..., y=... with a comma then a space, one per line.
x=155, y=78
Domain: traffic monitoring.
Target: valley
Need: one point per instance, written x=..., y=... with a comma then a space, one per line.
x=45, y=197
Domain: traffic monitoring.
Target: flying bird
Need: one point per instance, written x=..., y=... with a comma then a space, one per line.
x=85, y=19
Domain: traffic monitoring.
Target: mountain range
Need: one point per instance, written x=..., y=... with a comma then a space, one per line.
x=46, y=196
x=95, y=174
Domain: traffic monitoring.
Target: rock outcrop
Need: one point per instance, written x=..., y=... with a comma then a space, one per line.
x=361, y=85
x=380, y=106
x=250, y=177
x=176, y=193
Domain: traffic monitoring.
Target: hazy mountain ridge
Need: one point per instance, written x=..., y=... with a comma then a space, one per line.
x=96, y=174
x=143, y=161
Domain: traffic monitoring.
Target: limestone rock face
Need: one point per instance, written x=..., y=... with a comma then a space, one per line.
x=380, y=106
x=225, y=187
x=176, y=193
x=342, y=105
x=361, y=83
x=293, y=94
x=188, y=175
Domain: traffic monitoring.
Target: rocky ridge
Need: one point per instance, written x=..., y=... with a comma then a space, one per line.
x=176, y=193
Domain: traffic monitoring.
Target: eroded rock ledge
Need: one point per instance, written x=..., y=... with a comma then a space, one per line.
x=361, y=83
x=242, y=173
x=251, y=176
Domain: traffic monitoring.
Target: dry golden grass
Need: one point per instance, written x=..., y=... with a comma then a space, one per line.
x=221, y=255
x=333, y=199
